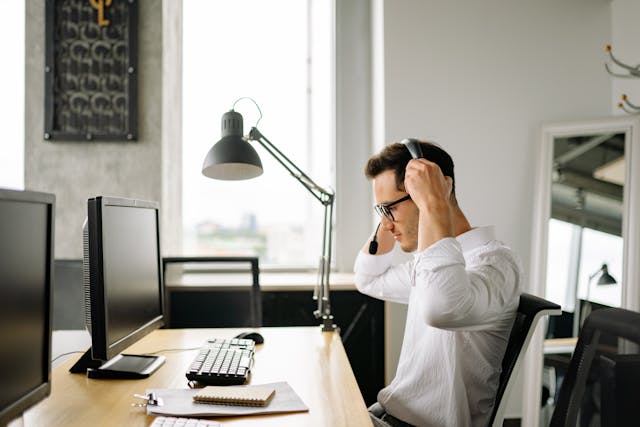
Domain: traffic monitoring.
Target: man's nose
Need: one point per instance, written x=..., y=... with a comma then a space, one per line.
x=386, y=224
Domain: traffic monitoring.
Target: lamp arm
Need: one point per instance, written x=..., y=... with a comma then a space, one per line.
x=326, y=197
x=323, y=195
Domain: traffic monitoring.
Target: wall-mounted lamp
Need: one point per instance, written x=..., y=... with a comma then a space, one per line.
x=233, y=158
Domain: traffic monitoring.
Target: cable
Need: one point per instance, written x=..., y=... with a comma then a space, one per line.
x=254, y=102
x=172, y=349
x=66, y=354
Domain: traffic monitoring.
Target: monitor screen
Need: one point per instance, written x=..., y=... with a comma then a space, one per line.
x=123, y=285
x=26, y=247
x=131, y=269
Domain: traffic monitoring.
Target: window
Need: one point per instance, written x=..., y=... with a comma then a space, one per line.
x=12, y=101
x=283, y=61
x=600, y=248
x=562, y=237
x=575, y=255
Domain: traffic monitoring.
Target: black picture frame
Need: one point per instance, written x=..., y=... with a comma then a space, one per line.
x=91, y=70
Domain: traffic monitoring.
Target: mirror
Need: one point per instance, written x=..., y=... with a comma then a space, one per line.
x=584, y=236
x=584, y=239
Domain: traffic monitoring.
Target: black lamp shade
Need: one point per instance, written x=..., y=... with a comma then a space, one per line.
x=605, y=278
x=232, y=158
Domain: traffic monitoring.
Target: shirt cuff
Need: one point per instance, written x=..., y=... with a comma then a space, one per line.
x=443, y=253
x=373, y=265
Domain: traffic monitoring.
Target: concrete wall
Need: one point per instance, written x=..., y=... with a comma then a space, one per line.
x=480, y=78
x=146, y=169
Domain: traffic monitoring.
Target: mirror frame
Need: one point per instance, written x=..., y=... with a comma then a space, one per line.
x=630, y=126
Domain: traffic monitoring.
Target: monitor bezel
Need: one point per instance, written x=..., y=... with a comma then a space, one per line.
x=100, y=348
x=40, y=392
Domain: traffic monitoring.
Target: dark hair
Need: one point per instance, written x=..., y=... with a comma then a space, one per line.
x=396, y=156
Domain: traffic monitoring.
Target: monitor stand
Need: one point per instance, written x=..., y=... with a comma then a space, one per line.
x=123, y=366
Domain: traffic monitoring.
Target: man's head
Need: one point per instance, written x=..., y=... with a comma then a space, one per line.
x=396, y=156
x=387, y=170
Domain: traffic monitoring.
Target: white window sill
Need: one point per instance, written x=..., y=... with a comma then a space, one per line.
x=269, y=281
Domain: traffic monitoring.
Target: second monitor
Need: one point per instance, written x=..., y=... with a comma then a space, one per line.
x=26, y=253
x=123, y=286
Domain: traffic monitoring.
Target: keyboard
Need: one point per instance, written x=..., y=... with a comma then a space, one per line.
x=183, y=422
x=222, y=362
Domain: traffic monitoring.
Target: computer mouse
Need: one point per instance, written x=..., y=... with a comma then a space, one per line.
x=256, y=337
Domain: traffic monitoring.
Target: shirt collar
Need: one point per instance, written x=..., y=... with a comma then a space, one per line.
x=476, y=237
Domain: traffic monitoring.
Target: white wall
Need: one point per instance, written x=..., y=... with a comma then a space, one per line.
x=353, y=129
x=480, y=78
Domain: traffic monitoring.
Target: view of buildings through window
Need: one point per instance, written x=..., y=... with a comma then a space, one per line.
x=12, y=100
x=283, y=61
x=590, y=249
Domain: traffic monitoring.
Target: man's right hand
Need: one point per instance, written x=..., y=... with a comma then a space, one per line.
x=431, y=192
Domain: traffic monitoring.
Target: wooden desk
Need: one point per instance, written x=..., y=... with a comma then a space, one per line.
x=560, y=345
x=318, y=371
x=197, y=300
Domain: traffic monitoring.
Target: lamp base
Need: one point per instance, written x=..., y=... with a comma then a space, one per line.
x=327, y=324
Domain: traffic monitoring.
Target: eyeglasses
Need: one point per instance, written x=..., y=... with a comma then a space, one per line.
x=385, y=208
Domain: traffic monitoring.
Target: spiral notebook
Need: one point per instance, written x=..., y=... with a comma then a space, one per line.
x=235, y=395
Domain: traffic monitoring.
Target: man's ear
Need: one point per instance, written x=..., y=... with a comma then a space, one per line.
x=449, y=186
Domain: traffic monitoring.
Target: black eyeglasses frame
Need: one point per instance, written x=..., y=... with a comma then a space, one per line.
x=384, y=208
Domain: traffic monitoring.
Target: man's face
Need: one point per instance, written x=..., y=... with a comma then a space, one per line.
x=404, y=226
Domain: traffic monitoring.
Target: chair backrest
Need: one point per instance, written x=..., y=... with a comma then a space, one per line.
x=231, y=305
x=603, y=376
x=68, y=295
x=530, y=310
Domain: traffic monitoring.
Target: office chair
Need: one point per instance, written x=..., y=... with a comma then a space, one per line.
x=68, y=295
x=604, y=372
x=216, y=305
x=530, y=310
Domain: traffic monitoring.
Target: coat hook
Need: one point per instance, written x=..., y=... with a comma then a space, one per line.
x=625, y=109
x=627, y=106
x=625, y=99
x=631, y=71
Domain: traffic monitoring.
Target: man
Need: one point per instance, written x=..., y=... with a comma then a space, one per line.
x=462, y=288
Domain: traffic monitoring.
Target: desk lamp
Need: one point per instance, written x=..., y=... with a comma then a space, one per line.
x=605, y=279
x=233, y=158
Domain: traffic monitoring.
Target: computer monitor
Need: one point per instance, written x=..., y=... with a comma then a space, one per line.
x=26, y=254
x=123, y=286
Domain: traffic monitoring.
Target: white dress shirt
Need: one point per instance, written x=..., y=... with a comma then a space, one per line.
x=462, y=294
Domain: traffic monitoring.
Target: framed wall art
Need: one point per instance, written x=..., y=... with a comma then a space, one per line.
x=90, y=70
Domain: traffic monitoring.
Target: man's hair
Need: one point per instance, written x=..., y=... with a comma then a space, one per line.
x=396, y=156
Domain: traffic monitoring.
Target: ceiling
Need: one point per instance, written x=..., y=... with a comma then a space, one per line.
x=588, y=179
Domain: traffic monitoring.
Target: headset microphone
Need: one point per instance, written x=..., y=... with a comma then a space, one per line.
x=373, y=245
